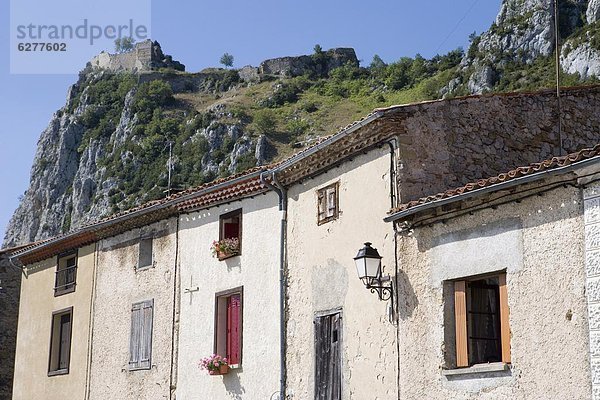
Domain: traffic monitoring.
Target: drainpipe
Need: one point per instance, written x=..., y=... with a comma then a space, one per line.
x=88, y=374
x=282, y=194
x=393, y=143
x=174, y=326
x=394, y=200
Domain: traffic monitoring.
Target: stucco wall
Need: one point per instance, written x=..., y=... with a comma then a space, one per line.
x=37, y=304
x=322, y=276
x=540, y=243
x=118, y=286
x=257, y=270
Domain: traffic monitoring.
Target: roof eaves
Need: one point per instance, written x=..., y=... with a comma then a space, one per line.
x=492, y=188
x=156, y=206
x=329, y=141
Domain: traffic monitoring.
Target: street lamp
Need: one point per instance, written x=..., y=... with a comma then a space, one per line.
x=368, y=267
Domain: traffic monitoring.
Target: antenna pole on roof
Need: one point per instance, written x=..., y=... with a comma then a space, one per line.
x=170, y=166
x=557, y=62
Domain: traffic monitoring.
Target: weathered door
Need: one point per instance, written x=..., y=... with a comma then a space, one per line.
x=328, y=357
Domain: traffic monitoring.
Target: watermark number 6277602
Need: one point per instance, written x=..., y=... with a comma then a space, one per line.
x=41, y=46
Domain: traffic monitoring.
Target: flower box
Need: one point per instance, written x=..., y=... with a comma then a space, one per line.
x=215, y=365
x=225, y=248
x=223, y=370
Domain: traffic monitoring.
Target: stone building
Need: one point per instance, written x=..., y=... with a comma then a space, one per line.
x=230, y=299
x=10, y=283
x=283, y=289
x=133, y=313
x=498, y=282
x=53, y=334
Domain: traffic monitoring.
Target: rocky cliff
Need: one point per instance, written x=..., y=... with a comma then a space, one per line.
x=523, y=37
x=108, y=148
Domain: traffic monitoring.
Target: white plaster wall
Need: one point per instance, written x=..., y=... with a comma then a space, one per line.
x=31, y=380
x=118, y=286
x=592, y=254
x=540, y=243
x=257, y=270
x=322, y=276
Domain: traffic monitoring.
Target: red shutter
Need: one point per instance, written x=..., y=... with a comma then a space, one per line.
x=233, y=329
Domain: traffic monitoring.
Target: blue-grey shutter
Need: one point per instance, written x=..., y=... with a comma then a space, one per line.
x=146, y=342
x=140, y=345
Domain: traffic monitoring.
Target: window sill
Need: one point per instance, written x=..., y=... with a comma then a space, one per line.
x=58, y=372
x=61, y=292
x=477, y=369
x=226, y=257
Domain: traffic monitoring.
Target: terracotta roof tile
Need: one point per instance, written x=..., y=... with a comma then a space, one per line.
x=554, y=162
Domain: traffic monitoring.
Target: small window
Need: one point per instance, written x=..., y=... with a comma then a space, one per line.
x=66, y=274
x=327, y=203
x=481, y=321
x=145, y=259
x=228, y=326
x=60, y=342
x=230, y=234
x=140, y=342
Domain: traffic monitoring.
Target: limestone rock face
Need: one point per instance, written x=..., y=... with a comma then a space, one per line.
x=522, y=33
x=69, y=182
x=593, y=11
x=583, y=60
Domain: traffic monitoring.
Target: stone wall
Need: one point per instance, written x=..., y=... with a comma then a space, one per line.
x=145, y=56
x=10, y=285
x=445, y=144
x=295, y=66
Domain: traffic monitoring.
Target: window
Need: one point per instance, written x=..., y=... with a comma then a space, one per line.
x=328, y=357
x=60, y=342
x=327, y=203
x=230, y=234
x=481, y=320
x=66, y=273
x=228, y=325
x=145, y=253
x=140, y=342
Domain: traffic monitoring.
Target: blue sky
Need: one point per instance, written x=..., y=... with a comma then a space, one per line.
x=198, y=32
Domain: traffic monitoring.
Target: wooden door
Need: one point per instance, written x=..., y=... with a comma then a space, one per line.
x=328, y=357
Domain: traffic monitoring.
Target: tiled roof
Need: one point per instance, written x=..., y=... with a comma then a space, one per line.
x=553, y=163
x=213, y=193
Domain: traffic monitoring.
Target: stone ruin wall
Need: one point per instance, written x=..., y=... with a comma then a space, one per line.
x=10, y=286
x=446, y=144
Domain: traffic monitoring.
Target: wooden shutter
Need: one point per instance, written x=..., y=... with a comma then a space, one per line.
x=328, y=360
x=331, y=202
x=140, y=344
x=460, y=320
x=504, y=323
x=322, y=205
x=65, y=341
x=234, y=309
